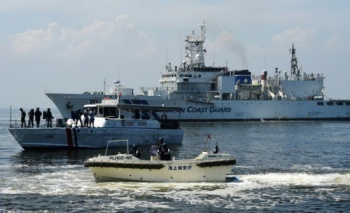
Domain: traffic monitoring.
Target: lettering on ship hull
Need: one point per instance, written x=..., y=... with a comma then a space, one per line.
x=213, y=109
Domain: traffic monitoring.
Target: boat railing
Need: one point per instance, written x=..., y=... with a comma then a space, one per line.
x=117, y=141
x=207, y=145
x=282, y=77
x=157, y=88
x=16, y=123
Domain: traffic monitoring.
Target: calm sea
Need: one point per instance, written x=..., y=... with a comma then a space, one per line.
x=282, y=167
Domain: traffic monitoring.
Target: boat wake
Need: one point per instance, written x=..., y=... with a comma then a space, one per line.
x=73, y=182
x=296, y=179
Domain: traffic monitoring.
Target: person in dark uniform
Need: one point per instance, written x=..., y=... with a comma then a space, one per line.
x=92, y=118
x=216, y=150
x=135, y=152
x=49, y=117
x=136, y=114
x=163, y=150
x=166, y=151
x=78, y=118
x=23, y=118
x=161, y=142
x=73, y=116
x=31, y=118
x=86, y=118
x=37, y=115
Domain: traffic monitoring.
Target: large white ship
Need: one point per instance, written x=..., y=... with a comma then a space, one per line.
x=207, y=93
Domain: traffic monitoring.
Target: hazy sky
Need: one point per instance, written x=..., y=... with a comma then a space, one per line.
x=73, y=46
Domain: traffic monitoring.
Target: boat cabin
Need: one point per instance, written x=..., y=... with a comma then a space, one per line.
x=110, y=112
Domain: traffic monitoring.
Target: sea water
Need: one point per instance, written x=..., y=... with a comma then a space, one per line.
x=281, y=166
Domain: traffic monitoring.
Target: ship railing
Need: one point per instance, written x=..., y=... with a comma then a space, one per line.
x=157, y=88
x=16, y=123
x=198, y=99
x=306, y=77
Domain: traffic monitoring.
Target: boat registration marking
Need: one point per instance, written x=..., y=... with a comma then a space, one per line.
x=120, y=157
x=174, y=168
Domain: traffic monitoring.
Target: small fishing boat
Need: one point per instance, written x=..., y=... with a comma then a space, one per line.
x=112, y=121
x=206, y=167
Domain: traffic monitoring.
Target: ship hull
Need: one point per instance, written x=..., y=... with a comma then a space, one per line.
x=194, y=174
x=226, y=110
x=91, y=138
x=122, y=167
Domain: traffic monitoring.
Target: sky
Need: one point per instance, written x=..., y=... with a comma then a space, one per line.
x=66, y=46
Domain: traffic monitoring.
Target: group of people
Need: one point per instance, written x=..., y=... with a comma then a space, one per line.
x=47, y=115
x=89, y=117
x=163, y=152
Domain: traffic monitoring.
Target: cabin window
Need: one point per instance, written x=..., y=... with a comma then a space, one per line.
x=320, y=103
x=110, y=112
x=347, y=103
x=339, y=103
x=330, y=103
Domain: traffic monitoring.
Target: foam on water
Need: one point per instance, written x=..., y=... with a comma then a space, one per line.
x=128, y=195
x=297, y=179
x=77, y=180
x=290, y=169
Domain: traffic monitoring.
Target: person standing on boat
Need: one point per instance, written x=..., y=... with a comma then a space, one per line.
x=49, y=118
x=37, y=115
x=23, y=118
x=163, y=150
x=92, y=118
x=160, y=146
x=86, y=118
x=31, y=118
x=73, y=116
x=135, y=152
x=216, y=150
x=136, y=114
x=78, y=118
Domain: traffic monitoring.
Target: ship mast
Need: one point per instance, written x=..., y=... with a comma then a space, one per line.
x=294, y=71
x=194, y=49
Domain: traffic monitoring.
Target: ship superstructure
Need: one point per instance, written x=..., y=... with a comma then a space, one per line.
x=195, y=81
x=208, y=93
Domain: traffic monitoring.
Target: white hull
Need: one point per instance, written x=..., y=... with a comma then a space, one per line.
x=126, y=168
x=84, y=138
x=228, y=110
